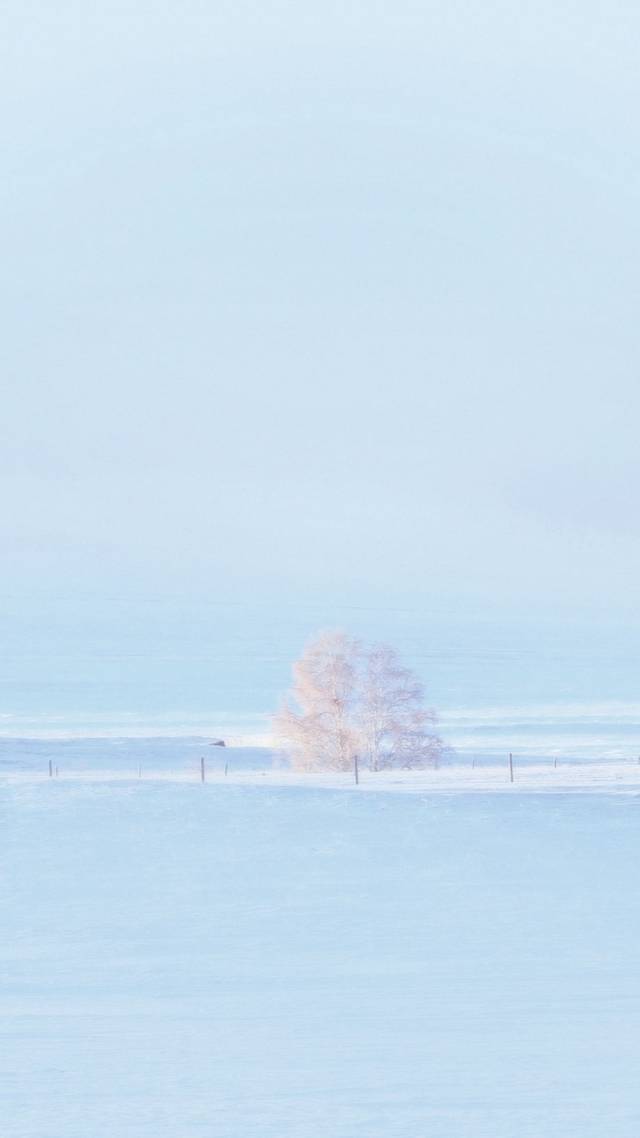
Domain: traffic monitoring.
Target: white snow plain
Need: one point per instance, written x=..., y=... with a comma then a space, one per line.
x=277, y=956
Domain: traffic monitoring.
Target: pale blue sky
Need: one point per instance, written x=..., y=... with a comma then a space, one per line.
x=329, y=300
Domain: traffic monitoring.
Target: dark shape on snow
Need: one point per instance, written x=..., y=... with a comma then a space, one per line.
x=218, y=743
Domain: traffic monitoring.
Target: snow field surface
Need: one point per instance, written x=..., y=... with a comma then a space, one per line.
x=253, y=960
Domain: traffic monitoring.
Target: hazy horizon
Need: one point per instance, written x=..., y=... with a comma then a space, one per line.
x=314, y=311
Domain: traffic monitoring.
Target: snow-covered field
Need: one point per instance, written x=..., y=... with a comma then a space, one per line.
x=258, y=766
x=611, y=777
x=269, y=957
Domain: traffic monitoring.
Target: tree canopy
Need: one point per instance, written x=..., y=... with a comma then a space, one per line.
x=349, y=699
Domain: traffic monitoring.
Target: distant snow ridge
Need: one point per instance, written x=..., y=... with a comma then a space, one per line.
x=249, y=729
x=586, y=731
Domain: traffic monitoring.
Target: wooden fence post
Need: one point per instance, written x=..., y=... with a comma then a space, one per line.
x=510, y=767
x=50, y=769
x=202, y=769
x=355, y=769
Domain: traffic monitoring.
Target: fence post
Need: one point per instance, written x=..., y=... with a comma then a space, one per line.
x=226, y=769
x=355, y=769
x=50, y=769
x=510, y=767
x=202, y=769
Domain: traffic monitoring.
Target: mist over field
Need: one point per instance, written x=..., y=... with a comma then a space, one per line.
x=322, y=304
x=319, y=317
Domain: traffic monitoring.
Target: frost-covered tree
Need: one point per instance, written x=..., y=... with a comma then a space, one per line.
x=348, y=700
x=395, y=728
x=315, y=723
